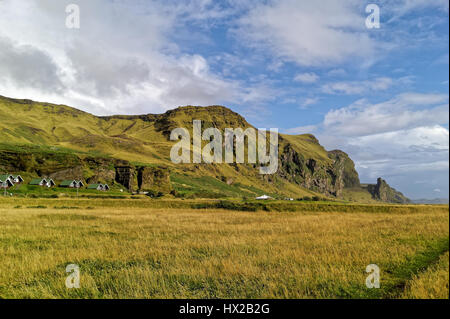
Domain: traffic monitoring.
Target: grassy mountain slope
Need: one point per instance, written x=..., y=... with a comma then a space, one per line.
x=29, y=127
x=145, y=138
x=63, y=142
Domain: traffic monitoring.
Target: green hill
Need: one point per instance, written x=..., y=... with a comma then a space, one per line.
x=61, y=142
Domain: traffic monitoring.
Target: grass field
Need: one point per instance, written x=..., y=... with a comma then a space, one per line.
x=165, y=249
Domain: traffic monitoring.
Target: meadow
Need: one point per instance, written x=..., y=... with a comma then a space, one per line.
x=143, y=248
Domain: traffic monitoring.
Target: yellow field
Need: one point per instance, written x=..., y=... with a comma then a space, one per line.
x=140, y=252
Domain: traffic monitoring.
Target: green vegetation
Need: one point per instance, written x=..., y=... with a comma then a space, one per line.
x=42, y=139
x=25, y=190
x=433, y=283
x=308, y=146
x=357, y=194
x=210, y=187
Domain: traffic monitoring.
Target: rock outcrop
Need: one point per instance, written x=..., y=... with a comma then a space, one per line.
x=154, y=179
x=327, y=178
x=125, y=175
x=345, y=168
x=383, y=192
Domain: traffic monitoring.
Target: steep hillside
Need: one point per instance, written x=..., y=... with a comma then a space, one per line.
x=383, y=192
x=61, y=142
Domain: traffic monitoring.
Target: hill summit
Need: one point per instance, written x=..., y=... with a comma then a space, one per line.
x=61, y=142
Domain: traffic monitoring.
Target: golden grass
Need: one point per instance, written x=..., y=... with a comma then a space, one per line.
x=181, y=253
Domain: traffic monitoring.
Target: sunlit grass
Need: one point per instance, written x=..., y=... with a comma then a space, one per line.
x=139, y=252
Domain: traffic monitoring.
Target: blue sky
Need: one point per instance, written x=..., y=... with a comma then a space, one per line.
x=381, y=95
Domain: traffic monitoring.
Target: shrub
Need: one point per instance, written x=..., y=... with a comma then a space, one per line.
x=155, y=194
x=246, y=207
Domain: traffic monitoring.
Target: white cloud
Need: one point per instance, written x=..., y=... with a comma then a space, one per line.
x=401, y=112
x=337, y=72
x=363, y=87
x=308, y=102
x=306, y=77
x=419, y=99
x=403, y=139
x=333, y=32
x=122, y=60
x=28, y=66
x=426, y=138
x=400, y=8
x=310, y=33
x=402, y=157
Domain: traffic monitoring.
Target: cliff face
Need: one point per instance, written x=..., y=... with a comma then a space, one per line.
x=383, y=192
x=154, y=179
x=125, y=175
x=331, y=178
x=345, y=168
x=326, y=177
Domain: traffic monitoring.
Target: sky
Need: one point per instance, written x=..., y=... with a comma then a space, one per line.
x=379, y=94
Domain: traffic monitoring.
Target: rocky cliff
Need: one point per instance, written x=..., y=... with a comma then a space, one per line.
x=326, y=177
x=383, y=192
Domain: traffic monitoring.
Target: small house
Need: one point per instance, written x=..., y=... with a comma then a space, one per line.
x=38, y=182
x=50, y=183
x=98, y=187
x=17, y=179
x=5, y=182
x=79, y=184
x=68, y=184
x=5, y=177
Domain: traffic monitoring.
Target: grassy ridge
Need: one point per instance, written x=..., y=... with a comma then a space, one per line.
x=181, y=253
x=41, y=128
x=230, y=205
